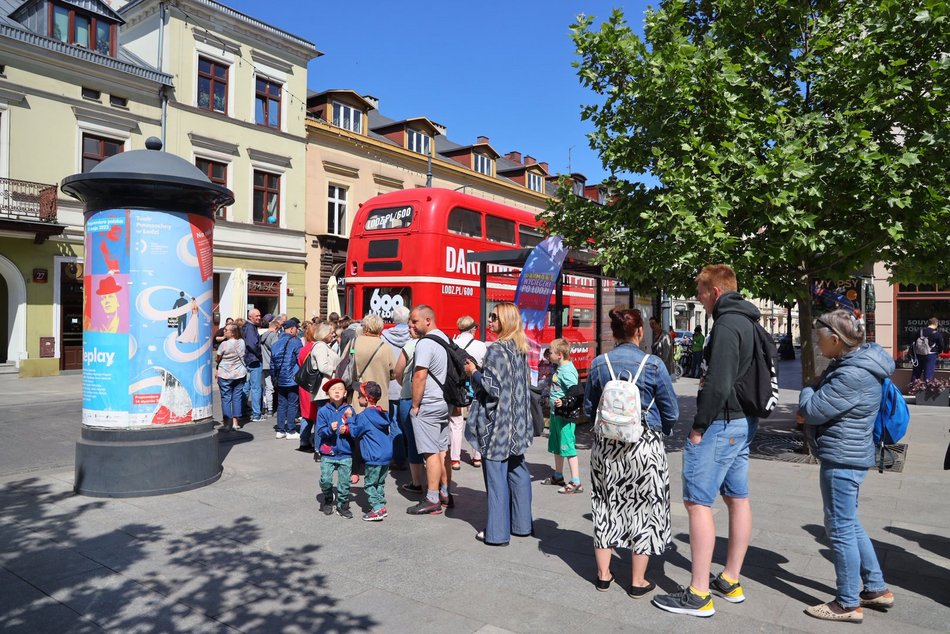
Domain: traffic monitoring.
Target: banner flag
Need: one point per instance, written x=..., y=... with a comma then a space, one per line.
x=535, y=286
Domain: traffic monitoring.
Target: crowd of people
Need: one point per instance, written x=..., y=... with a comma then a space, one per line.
x=395, y=414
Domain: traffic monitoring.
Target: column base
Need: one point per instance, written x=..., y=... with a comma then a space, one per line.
x=119, y=463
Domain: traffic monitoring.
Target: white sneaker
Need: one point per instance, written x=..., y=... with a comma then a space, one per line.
x=293, y=436
x=280, y=435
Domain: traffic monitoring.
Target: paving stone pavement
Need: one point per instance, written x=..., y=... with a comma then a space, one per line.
x=251, y=553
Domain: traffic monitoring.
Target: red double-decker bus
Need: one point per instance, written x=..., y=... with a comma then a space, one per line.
x=411, y=247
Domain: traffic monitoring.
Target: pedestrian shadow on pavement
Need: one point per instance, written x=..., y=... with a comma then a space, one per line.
x=227, y=441
x=61, y=573
x=574, y=548
x=760, y=565
x=902, y=568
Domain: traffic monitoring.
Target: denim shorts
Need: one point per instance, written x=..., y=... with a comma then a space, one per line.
x=719, y=463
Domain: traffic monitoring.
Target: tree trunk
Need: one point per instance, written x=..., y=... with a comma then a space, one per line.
x=804, y=325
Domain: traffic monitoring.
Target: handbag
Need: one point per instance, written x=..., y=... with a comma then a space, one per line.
x=307, y=375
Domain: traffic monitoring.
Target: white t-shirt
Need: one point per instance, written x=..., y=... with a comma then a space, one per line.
x=432, y=356
x=473, y=346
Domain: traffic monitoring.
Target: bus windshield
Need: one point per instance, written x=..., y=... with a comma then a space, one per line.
x=389, y=218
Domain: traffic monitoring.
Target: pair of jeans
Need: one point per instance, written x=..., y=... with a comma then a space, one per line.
x=405, y=425
x=696, y=366
x=232, y=391
x=400, y=451
x=288, y=403
x=374, y=483
x=252, y=388
x=854, y=558
x=508, y=484
x=925, y=368
x=343, y=468
x=719, y=463
x=267, y=387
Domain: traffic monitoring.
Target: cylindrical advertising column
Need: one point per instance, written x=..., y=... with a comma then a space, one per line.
x=147, y=360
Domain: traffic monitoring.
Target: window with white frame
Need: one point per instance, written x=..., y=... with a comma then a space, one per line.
x=483, y=164
x=578, y=188
x=347, y=117
x=535, y=182
x=336, y=210
x=417, y=141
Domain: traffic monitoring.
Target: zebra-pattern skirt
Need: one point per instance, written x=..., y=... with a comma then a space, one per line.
x=630, y=487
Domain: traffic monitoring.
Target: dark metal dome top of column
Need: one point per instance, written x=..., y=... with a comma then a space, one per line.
x=147, y=179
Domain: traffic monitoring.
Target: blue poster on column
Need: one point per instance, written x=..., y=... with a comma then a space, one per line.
x=147, y=341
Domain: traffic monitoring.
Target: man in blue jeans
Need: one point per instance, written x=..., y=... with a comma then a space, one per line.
x=252, y=359
x=716, y=455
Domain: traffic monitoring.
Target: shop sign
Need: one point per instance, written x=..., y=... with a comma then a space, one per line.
x=263, y=286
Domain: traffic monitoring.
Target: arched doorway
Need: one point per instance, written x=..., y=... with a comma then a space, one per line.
x=13, y=327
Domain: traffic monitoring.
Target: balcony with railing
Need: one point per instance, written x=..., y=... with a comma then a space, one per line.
x=29, y=207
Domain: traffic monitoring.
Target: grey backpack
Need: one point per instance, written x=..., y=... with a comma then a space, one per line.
x=922, y=345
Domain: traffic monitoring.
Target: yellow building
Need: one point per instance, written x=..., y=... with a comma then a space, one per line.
x=70, y=96
x=237, y=110
x=83, y=80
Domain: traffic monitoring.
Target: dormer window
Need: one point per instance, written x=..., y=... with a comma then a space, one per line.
x=535, y=182
x=86, y=30
x=482, y=164
x=347, y=117
x=578, y=188
x=417, y=141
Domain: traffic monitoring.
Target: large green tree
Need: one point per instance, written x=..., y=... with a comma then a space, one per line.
x=791, y=139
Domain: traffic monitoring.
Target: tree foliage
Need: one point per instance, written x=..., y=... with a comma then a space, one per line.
x=791, y=139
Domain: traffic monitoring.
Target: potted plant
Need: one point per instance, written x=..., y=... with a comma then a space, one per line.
x=936, y=391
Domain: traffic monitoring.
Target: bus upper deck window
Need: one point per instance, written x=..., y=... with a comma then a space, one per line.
x=500, y=229
x=465, y=222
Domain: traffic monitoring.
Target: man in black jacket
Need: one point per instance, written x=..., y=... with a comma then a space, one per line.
x=716, y=456
x=252, y=359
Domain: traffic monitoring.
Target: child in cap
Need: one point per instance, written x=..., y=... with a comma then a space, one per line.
x=334, y=447
x=372, y=430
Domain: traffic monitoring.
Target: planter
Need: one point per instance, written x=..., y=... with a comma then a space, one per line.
x=938, y=399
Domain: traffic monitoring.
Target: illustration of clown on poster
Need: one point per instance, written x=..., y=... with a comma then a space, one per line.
x=147, y=318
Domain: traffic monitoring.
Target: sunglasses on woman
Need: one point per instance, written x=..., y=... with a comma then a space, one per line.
x=493, y=317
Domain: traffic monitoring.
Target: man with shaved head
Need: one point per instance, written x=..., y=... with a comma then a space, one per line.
x=430, y=412
x=253, y=360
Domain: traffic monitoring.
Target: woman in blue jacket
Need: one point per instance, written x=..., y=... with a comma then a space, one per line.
x=630, y=482
x=839, y=417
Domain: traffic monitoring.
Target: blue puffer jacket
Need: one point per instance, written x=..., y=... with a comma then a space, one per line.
x=283, y=360
x=840, y=413
x=654, y=383
x=371, y=428
x=329, y=442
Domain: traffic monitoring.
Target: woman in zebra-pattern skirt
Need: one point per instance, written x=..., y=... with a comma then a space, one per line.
x=630, y=482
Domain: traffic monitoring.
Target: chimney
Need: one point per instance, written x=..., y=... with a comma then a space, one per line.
x=482, y=140
x=544, y=166
x=514, y=156
x=530, y=160
x=373, y=101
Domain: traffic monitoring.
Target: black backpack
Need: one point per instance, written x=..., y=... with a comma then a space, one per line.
x=456, y=387
x=757, y=389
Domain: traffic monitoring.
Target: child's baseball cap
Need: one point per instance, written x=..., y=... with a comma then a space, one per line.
x=371, y=391
x=331, y=383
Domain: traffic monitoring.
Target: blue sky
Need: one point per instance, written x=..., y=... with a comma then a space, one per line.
x=498, y=69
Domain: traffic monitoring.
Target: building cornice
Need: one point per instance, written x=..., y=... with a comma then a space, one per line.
x=103, y=116
x=270, y=158
x=207, y=143
x=232, y=23
x=236, y=122
x=470, y=177
x=79, y=105
x=88, y=58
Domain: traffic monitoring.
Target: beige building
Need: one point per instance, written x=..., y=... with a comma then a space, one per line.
x=70, y=96
x=238, y=111
x=355, y=153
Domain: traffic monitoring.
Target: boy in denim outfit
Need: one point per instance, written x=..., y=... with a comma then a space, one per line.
x=371, y=428
x=334, y=447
